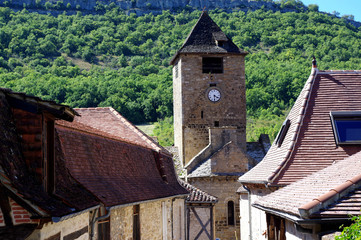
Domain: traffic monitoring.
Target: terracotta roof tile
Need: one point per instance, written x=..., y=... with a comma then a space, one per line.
x=198, y=196
x=331, y=191
x=111, y=122
x=309, y=144
x=18, y=178
x=116, y=171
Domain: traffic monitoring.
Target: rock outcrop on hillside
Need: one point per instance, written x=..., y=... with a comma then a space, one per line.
x=146, y=6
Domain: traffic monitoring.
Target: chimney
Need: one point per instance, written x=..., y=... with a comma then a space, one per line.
x=314, y=62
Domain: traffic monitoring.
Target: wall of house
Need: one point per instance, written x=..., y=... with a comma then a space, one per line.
x=19, y=214
x=179, y=227
x=223, y=187
x=2, y=223
x=151, y=220
x=76, y=227
x=293, y=234
x=258, y=217
x=196, y=214
x=29, y=126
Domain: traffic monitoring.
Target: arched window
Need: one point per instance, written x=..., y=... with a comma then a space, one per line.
x=230, y=208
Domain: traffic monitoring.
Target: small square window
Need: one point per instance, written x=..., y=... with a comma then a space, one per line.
x=212, y=65
x=346, y=127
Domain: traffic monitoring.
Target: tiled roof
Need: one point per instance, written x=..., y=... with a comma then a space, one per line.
x=18, y=178
x=198, y=196
x=203, y=37
x=37, y=105
x=114, y=170
x=331, y=192
x=111, y=122
x=309, y=144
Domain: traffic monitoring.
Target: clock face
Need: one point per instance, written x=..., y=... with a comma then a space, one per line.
x=214, y=95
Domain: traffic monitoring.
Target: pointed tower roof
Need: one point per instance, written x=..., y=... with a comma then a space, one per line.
x=207, y=37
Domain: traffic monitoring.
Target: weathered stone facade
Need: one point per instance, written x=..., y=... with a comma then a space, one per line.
x=162, y=219
x=194, y=113
x=224, y=188
x=77, y=225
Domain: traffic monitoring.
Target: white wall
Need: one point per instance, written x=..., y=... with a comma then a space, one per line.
x=258, y=221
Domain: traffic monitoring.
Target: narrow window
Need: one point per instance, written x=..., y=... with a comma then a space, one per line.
x=202, y=114
x=213, y=85
x=136, y=223
x=230, y=208
x=346, y=127
x=282, y=134
x=212, y=65
x=103, y=226
x=216, y=123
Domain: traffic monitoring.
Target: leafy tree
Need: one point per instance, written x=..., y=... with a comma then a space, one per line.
x=353, y=232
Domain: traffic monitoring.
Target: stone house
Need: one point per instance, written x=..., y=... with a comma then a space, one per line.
x=320, y=129
x=200, y=213
x=210, y=119
x=95, y=176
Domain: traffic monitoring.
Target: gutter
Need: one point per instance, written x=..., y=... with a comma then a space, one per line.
x=59, y=219
x=298, y=220
x=147, y=201
x=93, y=222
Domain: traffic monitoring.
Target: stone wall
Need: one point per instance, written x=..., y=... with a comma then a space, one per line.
x=223, y=187
x=194, y=113
x=79, y=224
x=163, y=219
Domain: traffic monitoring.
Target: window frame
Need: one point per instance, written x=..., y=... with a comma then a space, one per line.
x=231, y=213
x=344, y=115
x=212, y=68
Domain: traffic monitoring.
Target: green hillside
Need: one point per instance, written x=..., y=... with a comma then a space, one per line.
x=122, y=61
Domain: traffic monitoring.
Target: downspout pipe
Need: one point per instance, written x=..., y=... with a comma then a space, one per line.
x=96, y=220
x=249, y=212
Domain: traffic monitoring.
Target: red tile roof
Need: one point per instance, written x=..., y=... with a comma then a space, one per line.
x=17, y=177
x=111, y=122
x=309, y=144
x=198, y=196
x=331, y=192
x=114, y=170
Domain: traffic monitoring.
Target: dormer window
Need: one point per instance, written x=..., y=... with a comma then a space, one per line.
x=346, y=127
x=212, y=65
x=282, y=134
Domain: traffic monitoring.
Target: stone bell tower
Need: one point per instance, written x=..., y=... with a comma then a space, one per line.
x=209, y=99
x=208, y=88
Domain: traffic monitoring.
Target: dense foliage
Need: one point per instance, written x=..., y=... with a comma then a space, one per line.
x=352, y=232
x=113, y=59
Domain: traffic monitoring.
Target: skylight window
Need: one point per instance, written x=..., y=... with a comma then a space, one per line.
x=282, y=134
x=346, y=127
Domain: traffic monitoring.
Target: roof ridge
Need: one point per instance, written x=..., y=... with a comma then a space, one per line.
x=98, y=133
x=331, y=196
x=339, y=72
x=308, y=90
x=136, y=130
